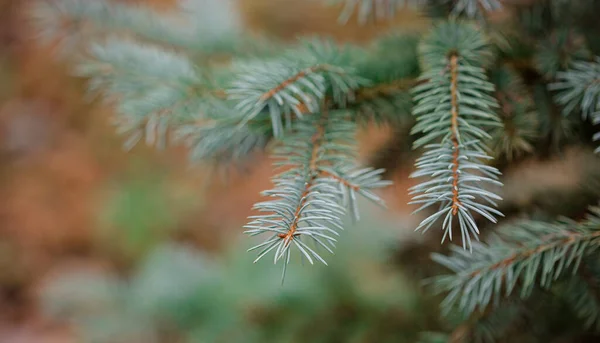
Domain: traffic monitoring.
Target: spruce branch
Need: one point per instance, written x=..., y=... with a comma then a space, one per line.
x=520, y=121
x=525, y=255
x=578, y=89
x=453, y=109
x=157, y=91
x=295, y=86
x=160, y=96
x=281, y=89
x=312, y=195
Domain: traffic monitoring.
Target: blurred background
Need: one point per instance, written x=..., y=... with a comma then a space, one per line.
x=100, y=245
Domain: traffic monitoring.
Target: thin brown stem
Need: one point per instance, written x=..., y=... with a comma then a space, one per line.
x=340, y=180
x=317, y=142
x=454, y=130
x=291, y=80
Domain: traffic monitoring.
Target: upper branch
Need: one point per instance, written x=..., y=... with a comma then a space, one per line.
x=294, y=85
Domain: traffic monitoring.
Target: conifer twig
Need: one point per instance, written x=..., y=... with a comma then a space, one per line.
x=455, y=134
x=453, y=108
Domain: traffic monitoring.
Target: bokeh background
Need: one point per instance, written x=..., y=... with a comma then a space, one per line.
x=102, y=245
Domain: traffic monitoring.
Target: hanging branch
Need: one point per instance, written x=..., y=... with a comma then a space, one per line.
x=310, y=196
x=453, y=109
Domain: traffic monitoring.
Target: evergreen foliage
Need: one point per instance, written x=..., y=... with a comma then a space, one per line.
x=481, y=93
x=524, y=256
x=519, y=130
x=313, y=194
x=454, y=104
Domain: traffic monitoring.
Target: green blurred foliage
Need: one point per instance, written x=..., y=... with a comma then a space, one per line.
x=138, y=213
x=180, y=294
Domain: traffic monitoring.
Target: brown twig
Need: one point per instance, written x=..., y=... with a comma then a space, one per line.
x=454, y=130
x=341, y=180
x=317, y=141
x=291, y=80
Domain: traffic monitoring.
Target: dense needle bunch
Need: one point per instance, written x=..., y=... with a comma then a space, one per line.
x=312, y=196
x=454, y=109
